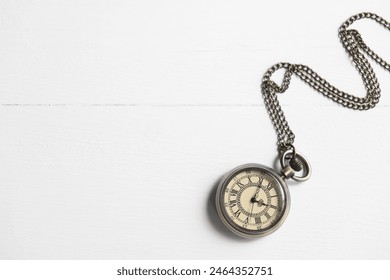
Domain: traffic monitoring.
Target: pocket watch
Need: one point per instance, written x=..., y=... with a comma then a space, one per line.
x=253, y=200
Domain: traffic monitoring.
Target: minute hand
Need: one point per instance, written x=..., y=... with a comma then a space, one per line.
x=256, y=193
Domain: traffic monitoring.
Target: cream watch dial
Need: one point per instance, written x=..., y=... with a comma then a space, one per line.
x=252, y=200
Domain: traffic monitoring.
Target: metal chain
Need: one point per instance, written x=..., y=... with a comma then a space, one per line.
x=354, y=46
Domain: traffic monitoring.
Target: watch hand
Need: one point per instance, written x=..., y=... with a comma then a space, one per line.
x=256, y=193
x=261, y=203
x=251, y=210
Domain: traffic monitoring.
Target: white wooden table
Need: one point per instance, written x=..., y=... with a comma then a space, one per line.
x=118, y=118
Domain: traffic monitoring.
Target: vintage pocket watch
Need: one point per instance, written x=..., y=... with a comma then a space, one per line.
x=253, y=200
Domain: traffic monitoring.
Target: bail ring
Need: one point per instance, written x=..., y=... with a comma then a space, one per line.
x=284, y=161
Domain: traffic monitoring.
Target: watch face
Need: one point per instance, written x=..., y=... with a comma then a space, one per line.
x=252, y=200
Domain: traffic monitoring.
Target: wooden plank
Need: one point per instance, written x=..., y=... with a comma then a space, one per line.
x=136, y=182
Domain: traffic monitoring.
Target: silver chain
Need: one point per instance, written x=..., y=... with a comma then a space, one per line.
x=354, y=46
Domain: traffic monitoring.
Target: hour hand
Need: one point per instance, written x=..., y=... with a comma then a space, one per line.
x=260, y=203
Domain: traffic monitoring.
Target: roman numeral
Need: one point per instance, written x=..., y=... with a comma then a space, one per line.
x=269, y=186
x=273, y=206
x=246, y=220
x=258, y=220
x=233, y=203
x=240, y=184
x=237, y=213
x=267, y=215
x=233, y=192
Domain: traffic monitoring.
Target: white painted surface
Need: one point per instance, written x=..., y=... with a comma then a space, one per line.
x=118, y=118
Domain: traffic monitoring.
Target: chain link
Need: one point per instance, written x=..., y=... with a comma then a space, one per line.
x=354, y=46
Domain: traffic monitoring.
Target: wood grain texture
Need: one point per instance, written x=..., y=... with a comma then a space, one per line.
x=118, y=118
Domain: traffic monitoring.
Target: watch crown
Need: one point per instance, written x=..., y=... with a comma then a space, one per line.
x=296, y=164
